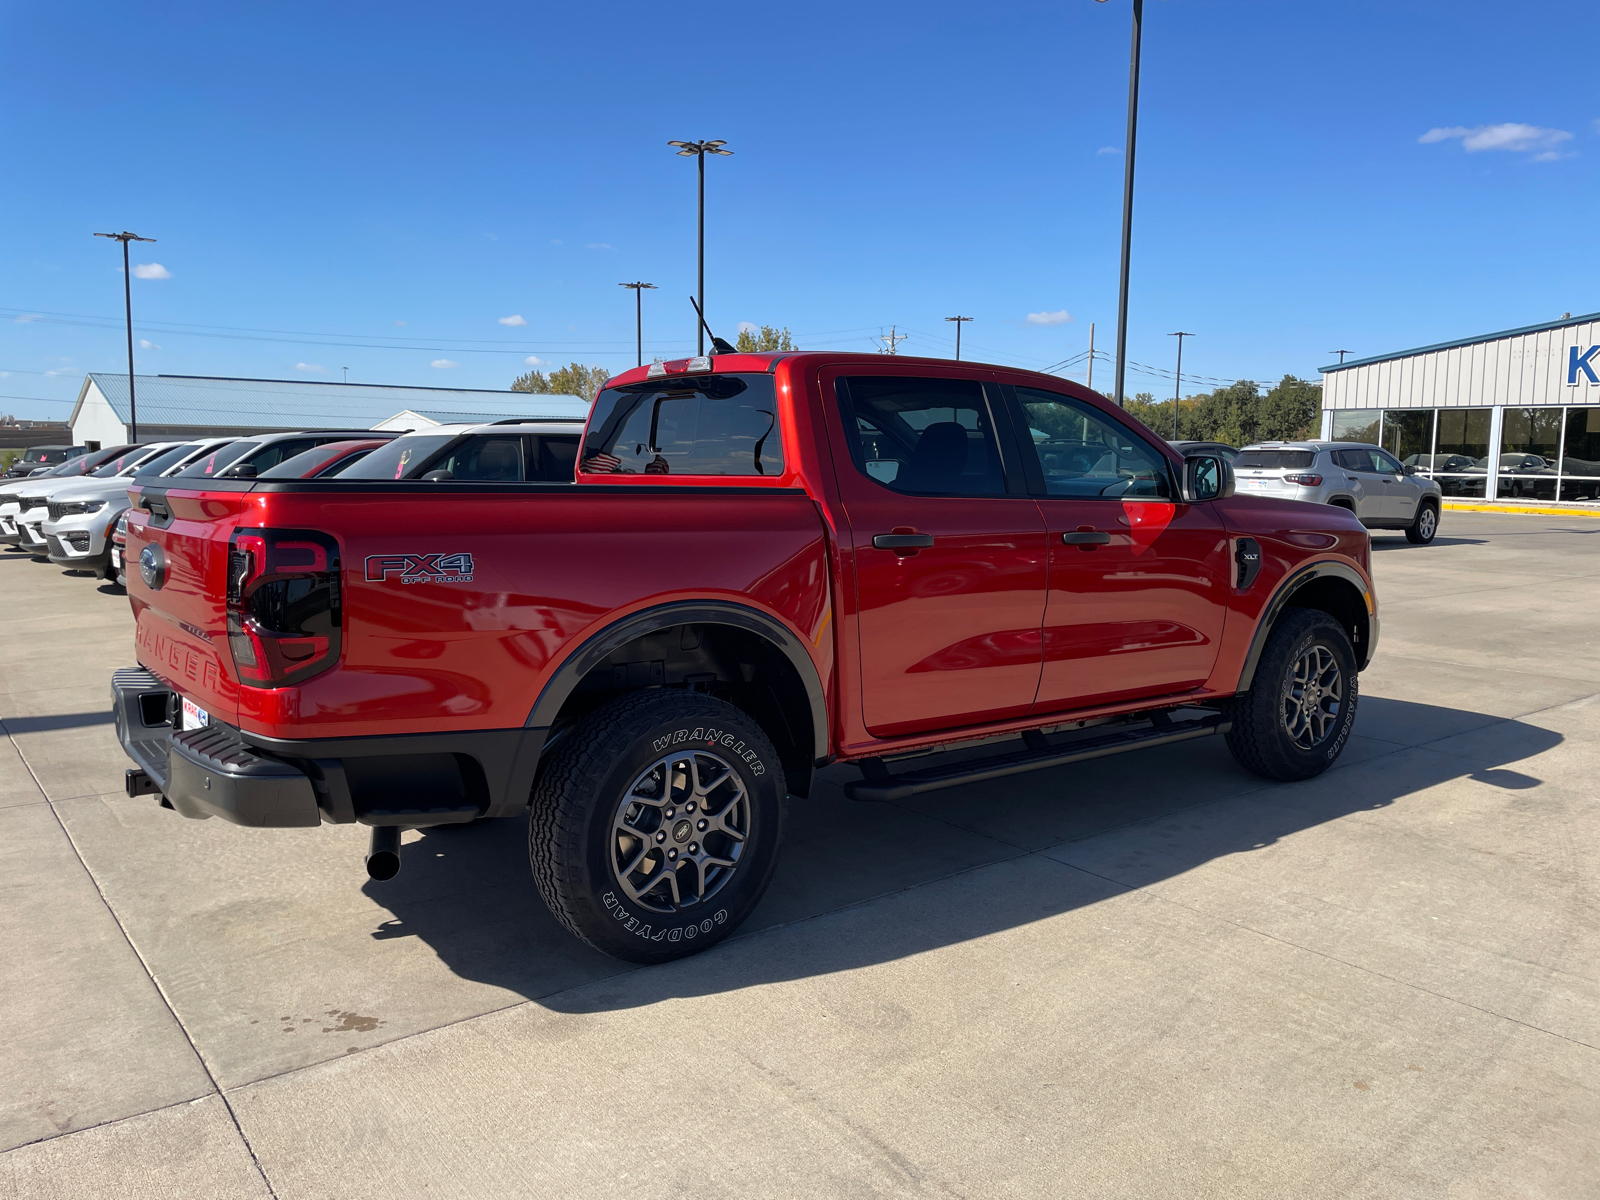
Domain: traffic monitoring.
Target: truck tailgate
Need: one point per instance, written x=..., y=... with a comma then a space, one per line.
x=177, y=569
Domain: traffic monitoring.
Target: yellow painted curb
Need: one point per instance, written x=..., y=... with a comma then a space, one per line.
x=1458, y=506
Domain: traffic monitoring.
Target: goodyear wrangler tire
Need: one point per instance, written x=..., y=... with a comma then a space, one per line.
x=1295, y=720
x=656, y=824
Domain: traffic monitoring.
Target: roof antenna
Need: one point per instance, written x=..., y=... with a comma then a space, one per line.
x=718, y=346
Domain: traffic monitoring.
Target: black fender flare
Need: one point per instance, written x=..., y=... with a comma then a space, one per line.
x=1291, y=584
x=685, y=612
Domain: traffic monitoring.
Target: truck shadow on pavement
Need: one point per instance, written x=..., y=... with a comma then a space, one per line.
x=946, y=867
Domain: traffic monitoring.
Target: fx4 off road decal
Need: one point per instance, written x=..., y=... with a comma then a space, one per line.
x=633, y=925
x=707, y=736
x=420, y=568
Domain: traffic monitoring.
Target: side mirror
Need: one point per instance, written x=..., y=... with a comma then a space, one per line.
x=438, y=476
x=244, y=471
x=1207, y=477
x=1410, y=469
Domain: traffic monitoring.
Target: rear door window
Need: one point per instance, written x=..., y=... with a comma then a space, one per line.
x=699, y=425
x=484, y=458
x=925, y=436
x=552, y=457
x=209, y=466
x=274, y=453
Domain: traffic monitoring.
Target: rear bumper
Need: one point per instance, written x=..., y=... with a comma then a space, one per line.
x=414, y=780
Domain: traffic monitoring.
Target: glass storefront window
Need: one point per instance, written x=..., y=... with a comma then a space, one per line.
x=1580, y=455
x=1530, y=444
x=1461, y=451
x=1408, y=435
x=1356, y=425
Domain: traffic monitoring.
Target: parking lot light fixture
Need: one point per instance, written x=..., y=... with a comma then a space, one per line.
x=127, y=300
x=699, y=150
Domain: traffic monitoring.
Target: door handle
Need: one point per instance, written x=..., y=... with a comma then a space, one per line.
x=1087, y=537
x=902, y=541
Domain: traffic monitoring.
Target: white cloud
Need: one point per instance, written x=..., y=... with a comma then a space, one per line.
x=399, y=324
x=150, y=271
x=598, y=246
x=533, y=360
x=60, y=371
x=747, y=327
x=25, y=318
x=513, y=319
x=443, y=364
x=1059, y=317
x=555, y=241
x=144, y=345
x=1108, y=150
x=1509, y=135
x=308, y=367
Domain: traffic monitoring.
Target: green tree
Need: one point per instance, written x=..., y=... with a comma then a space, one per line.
x=575, y=380
x=1238, y=414
x=767, y=340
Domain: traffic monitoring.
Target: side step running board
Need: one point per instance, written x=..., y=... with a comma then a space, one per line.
x=879, y=784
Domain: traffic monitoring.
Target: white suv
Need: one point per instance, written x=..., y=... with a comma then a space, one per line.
x=1367, y=480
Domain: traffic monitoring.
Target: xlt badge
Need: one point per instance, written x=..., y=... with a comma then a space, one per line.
x=420, y=568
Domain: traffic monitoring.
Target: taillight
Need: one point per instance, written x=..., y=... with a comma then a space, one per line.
x=283, y=605
x=1303, y=480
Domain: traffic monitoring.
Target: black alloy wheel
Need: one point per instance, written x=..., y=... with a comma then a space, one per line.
x=1296, y=717
x=656, y=824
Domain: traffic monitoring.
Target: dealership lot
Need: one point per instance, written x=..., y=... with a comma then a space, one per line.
x=1147, y=975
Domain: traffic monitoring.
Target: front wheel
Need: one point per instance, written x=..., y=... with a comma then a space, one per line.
x=656, y=824
x=1296, y=717
x=1422, y=529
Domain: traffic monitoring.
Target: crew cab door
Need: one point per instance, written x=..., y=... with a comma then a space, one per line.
x=1138, y=583
x=949, y=549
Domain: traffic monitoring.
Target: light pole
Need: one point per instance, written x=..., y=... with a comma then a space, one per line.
x=1177, y=385
x=958, y=321
x=127, y=301
x=639, y=288
x=1127, y=199
x=699, y=150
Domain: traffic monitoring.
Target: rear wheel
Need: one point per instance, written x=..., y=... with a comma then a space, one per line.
x=1295, y=719
x=656, y=824
x=1422, y=529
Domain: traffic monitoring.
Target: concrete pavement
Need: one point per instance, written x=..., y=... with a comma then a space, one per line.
x=1151, y=975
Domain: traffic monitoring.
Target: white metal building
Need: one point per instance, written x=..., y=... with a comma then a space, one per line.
x=1521, y=407
x=185, y=406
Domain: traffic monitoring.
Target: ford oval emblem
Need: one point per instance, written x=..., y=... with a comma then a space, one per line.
x=152, y=566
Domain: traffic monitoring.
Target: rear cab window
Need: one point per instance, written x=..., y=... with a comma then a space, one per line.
x=706, y=425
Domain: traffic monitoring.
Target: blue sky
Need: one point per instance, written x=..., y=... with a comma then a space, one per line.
x=383, y=187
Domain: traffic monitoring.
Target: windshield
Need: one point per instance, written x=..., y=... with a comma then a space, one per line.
x=1275, y=460
x=208, y=465
x=161, y=462
x=115, y=466
x=400, y=457
x=44, y=455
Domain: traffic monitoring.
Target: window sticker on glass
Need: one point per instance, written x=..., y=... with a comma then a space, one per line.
x=194, y=717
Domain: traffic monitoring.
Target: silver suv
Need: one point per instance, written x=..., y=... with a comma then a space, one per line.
x=1370, y=482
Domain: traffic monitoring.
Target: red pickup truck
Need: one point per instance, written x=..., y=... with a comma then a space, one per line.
x=767, y=563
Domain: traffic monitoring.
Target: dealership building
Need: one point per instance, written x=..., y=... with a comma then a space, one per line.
x=1520, y=407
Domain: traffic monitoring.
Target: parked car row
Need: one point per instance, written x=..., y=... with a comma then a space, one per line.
x=38, y=459
x=74, y=513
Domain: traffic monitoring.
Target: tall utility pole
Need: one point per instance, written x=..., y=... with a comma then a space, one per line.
x=894, y=339
x=1091, y=356
x=127, y=301
x=699, y=150
x=639, y=287
x=958, y=321
x=1177, y=385
x=1341, y=353
x=1127, y=200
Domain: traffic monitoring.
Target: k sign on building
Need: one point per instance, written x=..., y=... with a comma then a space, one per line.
x=1520, y=408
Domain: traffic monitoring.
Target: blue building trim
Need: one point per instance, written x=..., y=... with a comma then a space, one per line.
x=1469, y=341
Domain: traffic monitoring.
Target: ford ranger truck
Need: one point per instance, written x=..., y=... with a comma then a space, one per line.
x=766, y=563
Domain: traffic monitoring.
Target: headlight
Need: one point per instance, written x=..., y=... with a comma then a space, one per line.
x=83, y=506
